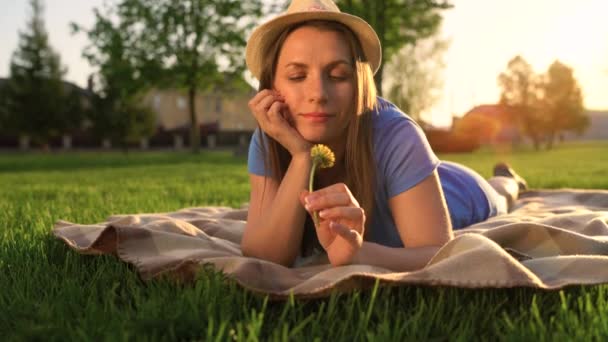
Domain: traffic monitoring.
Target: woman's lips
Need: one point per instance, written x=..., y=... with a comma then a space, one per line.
x=317, y=117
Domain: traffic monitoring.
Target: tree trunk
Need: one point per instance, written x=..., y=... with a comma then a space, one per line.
x=550, y=140
x=536, y=142
x=24, y=142
x=66, y=142
x=195, y=132
x=380, y=10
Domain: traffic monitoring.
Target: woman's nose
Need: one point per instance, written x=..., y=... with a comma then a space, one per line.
x=317, y=91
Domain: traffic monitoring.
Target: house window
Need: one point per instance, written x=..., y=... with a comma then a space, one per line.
x=218, y=104
x=157, y=101
x=181, y=103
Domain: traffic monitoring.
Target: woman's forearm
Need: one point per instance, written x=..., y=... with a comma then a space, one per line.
x=277, y=234
x=395, y=259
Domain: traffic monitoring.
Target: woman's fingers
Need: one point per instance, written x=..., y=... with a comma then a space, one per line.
x=328, y=231
x=351, y=217
x=266, y=103
x=352, y=214
x=325, y=234
x=262, y=102
x=335, y=194
x=262, y=97
x=256, y=104
x=269, y=104
x=303, y=196
x=352, y=236
x=336, y=203
x=328, y=200
x=274, y=112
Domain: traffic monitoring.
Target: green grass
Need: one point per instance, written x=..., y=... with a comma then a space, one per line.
x=48, y=292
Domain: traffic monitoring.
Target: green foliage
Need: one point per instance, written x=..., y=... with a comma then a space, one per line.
x=52, y=293
x=414, y=83
x=518, y=83
x=37, y=102
x=562, y=102
x=116, y=114
x=4, y=113
x=520, y=91
x=397, y=22
x=193, y=45
x=545, y=105
x=119, y=67
x=124, y=122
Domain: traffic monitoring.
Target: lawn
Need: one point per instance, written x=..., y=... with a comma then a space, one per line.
x=49, y=292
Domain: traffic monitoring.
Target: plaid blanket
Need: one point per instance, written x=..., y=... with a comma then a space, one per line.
x=551, y=239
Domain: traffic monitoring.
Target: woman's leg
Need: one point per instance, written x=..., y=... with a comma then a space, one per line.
x=507, y=183
x=507, y=188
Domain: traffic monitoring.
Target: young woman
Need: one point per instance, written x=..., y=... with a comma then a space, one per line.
x=388, y=201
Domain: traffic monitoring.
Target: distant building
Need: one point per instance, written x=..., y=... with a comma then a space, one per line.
x=227, y=110
x=490, y=123
x=223, y=117
x=496, y=124
x=86, y=96
x=597, y=129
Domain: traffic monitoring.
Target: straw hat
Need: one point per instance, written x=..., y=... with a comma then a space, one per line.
x=304, y=10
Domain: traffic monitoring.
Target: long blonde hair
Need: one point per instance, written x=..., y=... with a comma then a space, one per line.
x=358, y=159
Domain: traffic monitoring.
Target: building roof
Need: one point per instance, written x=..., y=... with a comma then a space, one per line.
x=498, y=111
x=597, y=129
x=66, y=86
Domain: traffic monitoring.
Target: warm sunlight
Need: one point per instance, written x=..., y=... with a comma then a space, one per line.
x=486, y=35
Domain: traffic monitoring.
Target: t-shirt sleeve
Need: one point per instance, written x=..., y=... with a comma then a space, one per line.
x=407, y=158
x=255, y=158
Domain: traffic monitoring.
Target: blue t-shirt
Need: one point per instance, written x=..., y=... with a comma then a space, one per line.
x=404, y=158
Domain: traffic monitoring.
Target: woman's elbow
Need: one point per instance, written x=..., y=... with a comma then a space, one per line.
x=251, y=251
x=247, y=251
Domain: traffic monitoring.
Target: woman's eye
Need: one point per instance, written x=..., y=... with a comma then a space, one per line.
x=296, y=77
x=339, y=77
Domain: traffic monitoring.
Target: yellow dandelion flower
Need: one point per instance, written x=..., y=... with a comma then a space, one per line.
x=323, y=157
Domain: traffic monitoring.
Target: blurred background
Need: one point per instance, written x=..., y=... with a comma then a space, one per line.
x=137, y=75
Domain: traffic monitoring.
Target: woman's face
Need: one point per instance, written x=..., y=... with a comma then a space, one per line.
x=315, y=75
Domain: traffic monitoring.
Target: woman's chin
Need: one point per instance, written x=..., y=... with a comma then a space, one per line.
x=314, y=138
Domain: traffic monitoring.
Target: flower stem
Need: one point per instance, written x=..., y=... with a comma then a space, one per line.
x=315, y=215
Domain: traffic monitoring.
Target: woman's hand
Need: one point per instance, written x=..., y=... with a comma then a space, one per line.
x=342, y=221
x=269, y=109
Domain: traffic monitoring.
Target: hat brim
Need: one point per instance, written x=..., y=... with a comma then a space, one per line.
x=264, y=35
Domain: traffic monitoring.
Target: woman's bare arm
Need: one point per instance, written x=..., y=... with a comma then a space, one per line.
x=275, y=222
x=394, y=259
x=422, y=218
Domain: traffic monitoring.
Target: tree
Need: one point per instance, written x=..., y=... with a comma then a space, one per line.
x=397, y=22
x=562, y=102
x=36, y=97
x=4, y=113
x=546, y=105
x=414, y=83
x=192, y=44
x=123, y=121
x=520, y=90
x=115, y=113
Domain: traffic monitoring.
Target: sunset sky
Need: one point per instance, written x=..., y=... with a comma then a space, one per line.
x=484, y=36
